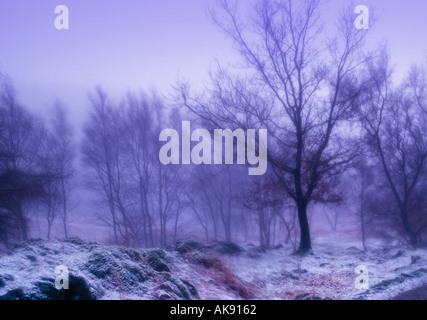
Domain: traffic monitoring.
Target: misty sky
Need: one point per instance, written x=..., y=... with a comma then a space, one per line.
x=142, y=44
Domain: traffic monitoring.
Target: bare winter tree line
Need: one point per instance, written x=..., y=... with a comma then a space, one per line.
x=36, y=166
x=342, y=134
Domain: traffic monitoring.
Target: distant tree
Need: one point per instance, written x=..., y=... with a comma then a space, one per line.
x=267, y=200
x=22, y=179
x=167, y=180
x=194, y=194
x=51, y=197
x=361, y=184
x=288, y=218
x=100, y=155
x=396, y=126
x=120, y=151
x=203, y=186
x=139, y=136
x=63, y=151
x=332, y=215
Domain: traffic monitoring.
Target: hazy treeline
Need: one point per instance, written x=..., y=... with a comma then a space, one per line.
x=341, y=135
x=145, y=199
x=36, y=165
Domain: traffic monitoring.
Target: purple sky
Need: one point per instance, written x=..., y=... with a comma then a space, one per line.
x=142, y=44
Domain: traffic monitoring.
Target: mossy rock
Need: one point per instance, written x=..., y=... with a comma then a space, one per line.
x=226, y=247
x=157, y=260
x=188, y=246
x=100, y=264
x=180, y=288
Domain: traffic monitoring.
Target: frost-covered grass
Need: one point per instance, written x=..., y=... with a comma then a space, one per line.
x=329, y=272
x=191, y=270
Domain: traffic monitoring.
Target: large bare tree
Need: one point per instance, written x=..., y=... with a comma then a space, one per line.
x=298, y=83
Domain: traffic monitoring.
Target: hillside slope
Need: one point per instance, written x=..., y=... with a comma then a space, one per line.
x=219, y=270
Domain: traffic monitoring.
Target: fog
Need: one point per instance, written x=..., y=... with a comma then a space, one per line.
x=92, y=121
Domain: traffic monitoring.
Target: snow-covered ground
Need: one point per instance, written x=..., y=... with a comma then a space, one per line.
x=330, y=271
x=216, y=271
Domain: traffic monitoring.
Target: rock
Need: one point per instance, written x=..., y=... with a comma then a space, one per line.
x=164, y=296
x=4, y=279
x=188, y=245
x=95, y=272
x=255, y=252
x=15, y=294
x=32, y=258
x=100, y=264
x=414, y=259
x=397, y=255
x=353, y=249
x=79, y=289
x=395, y=281
x=75, y=240
x=200, y=259
x=419, y=293
x=191, y=288
x=224, y=247
x=180, y=288
x=300, y=271
x=308, y=296
x=290, y=275
x=157, y=262
x=44, y=289
x=419, y=272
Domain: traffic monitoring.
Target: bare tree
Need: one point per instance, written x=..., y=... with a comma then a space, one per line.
x=332, y=215
x=361, y=184
x=64, y=153
x=288, y=218
x=22, y=179
x=120, y=149
x=193, y=194
x=300, y=85
x=99, y=155
x=51, y=197
x=396, y=126
x=167, y=180
x=139, y=136
x=267, y=200
x=171, y=199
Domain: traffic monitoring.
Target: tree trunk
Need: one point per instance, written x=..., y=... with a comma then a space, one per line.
x=261, y=226
x=411, y=234
x=362, y=222
x=148, y=220
x=144, y=217
x=175, y=228
x=362, y=217
x=64, y=209
x=305, y=240
x=22, y=222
